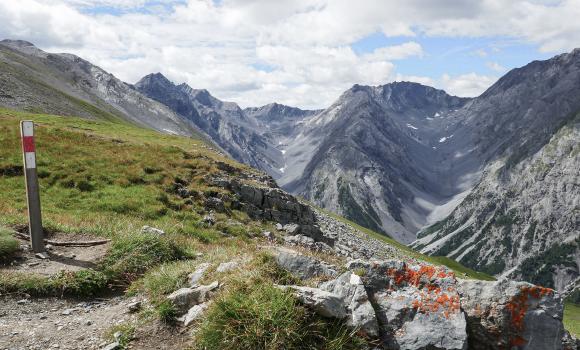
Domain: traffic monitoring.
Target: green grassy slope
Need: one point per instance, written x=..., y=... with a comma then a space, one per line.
x=100, y=176
x=572, y=318
x=109, y=179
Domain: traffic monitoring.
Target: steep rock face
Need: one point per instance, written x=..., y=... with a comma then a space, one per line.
x=64, y=84
x=238, y=134
x=268, y=202
x=370, y=154
x=521, y=220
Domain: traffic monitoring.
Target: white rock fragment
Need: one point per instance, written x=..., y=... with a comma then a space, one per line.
x=227, y=266
x=194, y=314
x=324, y=303
x=196, y=275
x=152, y=230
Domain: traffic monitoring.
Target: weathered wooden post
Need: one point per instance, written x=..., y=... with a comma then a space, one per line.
x=32, y=189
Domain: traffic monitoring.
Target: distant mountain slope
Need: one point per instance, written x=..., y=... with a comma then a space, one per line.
x=280, y=123
x=225, y=122
x=34, y=80
x=491, y=181
x=371, y=153
x=522, y=219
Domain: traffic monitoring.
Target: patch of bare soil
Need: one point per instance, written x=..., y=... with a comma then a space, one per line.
x=67, y=258
x=51, y=323
x=156, y=336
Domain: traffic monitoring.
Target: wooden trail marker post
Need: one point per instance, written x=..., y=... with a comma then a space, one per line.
x=32, y=189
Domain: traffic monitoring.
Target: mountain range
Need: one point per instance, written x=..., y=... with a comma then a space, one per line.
x=491, y=181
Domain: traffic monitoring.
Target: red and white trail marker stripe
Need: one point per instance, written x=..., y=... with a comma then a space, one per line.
x=32, y=189
x=27, y=128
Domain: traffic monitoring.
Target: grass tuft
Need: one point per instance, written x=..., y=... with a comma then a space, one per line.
x=79, y=284
x=9, y=245
x=125, y=332
x=258, y=315
x=166, y=312
x=133, y=254
x=165, y=278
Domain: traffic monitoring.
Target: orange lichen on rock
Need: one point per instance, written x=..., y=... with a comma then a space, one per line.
x=518, y=341
x=432, y=302
x=518, y=307
x=433, y=288
x=414, y=277
x=431, y=297
x=538, y=292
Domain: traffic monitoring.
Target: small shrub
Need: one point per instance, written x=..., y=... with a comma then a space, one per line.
x=69, y=183
x=43, y=174
x=150, y=170
x=11, y=170
x=85, y=186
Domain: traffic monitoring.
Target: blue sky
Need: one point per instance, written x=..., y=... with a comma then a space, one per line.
x=300, y=52
x=456, y=56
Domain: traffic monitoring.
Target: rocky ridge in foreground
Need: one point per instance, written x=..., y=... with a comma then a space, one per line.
x=395, y=301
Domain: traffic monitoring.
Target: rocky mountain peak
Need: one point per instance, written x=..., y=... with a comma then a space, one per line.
x=201, y=95
x=402, y=96
x=17, y=43
x=154, y=79
x=556, y=69
x=24, y=47
x=405, y=95
x=278, y=112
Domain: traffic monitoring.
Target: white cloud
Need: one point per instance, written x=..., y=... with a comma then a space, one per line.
x=305, y=43
x=106, y=3
x=495, y=66
x=466, y=85
x=397, y=52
